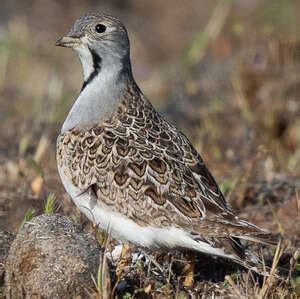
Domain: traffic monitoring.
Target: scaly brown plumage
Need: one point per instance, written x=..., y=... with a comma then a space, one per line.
x=135, y=165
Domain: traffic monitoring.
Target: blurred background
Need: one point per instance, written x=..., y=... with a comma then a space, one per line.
x=227, y=73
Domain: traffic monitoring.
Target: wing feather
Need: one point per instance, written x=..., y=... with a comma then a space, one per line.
x=144, y=161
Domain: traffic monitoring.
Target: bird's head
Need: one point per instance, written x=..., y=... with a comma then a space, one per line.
x=100, y=40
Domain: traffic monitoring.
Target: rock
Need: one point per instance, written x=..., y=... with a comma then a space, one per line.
x=6, y=239
x=51, y=257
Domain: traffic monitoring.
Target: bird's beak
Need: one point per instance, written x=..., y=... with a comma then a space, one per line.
x=69, y=41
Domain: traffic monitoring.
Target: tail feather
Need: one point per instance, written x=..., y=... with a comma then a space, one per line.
x=227, y=237
x=263, y=237
x=251, y=232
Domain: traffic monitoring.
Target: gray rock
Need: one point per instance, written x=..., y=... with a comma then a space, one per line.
x=51, y=257
x=6, y=239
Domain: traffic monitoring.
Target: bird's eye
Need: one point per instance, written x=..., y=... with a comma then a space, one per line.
x=100, y=28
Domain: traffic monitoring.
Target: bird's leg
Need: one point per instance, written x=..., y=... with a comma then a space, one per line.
x=124, y=261
x=189, y=271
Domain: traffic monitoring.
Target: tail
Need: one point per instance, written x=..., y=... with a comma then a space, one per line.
x=251, y=260
x=230, y=237
x=262, y=237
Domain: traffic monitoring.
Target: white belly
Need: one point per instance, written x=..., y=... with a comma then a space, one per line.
x=125, y=229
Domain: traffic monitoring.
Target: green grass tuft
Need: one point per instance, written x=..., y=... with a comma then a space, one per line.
x=50, y=204
x=28, y=216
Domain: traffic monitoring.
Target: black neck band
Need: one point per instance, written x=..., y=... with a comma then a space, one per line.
x=96, y=66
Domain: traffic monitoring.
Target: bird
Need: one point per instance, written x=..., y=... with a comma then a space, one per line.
x=132, y=172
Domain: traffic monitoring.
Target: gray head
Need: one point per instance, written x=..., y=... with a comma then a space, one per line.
x=102, y=44
x=101, y=41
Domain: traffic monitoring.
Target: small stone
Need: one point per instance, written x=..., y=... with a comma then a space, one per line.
x=52, y=257
x=6, y=239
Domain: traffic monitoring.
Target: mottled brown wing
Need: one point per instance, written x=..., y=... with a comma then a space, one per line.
x=141, y=166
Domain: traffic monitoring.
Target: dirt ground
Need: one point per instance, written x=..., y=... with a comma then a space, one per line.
x=225, y=72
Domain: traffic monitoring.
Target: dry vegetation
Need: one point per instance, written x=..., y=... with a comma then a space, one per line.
x=226, y=72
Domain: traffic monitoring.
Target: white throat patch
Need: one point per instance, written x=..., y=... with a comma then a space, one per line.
x=100, y=94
